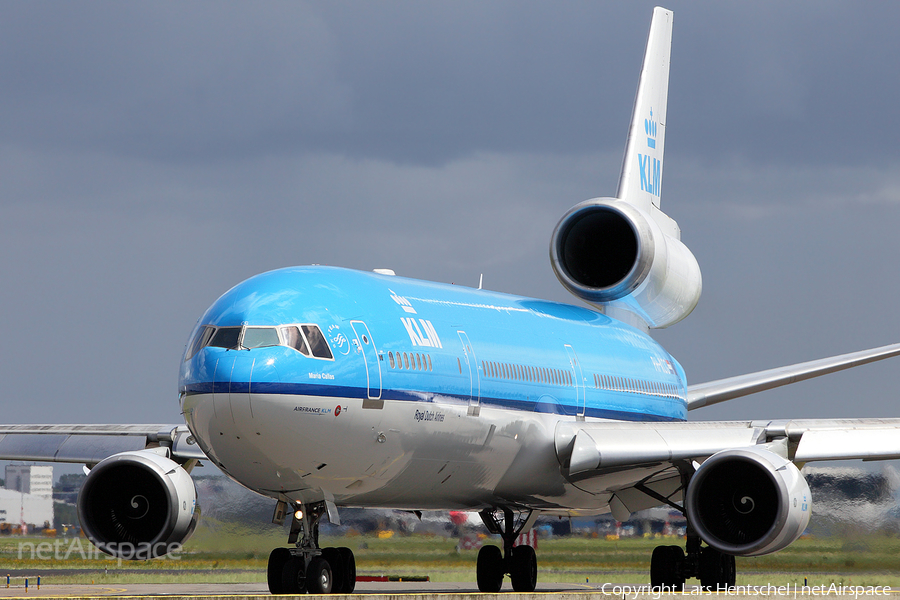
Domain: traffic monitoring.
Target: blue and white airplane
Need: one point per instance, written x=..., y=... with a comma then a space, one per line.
x=324, y=387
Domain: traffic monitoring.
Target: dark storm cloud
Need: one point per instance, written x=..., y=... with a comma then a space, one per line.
x=153, y=155
x=429, y=82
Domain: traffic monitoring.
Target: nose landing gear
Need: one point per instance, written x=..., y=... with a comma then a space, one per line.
x=306, y=567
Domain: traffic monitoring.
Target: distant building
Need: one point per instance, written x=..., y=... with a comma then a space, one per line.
x=28, y=495
x=30, y=479
x=17, y=508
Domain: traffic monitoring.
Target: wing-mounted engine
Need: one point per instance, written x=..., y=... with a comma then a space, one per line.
x=748, y=501
x=138, y=505
x=611, y=253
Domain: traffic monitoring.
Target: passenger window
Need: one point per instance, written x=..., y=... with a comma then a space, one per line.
x=226, y=337
x=391, y=358
x=291, y=337
x=317, y=342
x=260, y=337
x=429, y=363
x=419, y=362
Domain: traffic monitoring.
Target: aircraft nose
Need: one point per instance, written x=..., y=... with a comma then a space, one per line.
x=249, y=373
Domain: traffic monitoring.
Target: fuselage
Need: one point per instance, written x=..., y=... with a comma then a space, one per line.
x=368, y=389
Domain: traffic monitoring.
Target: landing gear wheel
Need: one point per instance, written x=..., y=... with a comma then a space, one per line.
x=277, y=558
x=524, y=569
x=343, y=569
x=334, y=560
x=667, y=567
x=318, y=576
x=717, y=571
x=293, y=577
x=349, y=562
x=489, y=569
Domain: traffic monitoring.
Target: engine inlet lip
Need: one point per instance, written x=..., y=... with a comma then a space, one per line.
x=137, y=460
x=695, y=490
x=644, y=249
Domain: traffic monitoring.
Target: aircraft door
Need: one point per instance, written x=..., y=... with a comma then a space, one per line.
x=470, y=364
x=578, y=376
x=366, y=345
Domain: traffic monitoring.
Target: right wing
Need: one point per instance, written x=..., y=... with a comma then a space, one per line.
x=89, y=444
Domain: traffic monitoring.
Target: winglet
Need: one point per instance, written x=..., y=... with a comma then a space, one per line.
x=640, y=181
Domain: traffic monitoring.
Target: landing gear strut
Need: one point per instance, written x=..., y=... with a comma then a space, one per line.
x=519, y=562
x=670, y=565
x=306, y=567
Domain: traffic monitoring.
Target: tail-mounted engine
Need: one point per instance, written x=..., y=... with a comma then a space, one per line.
x=138, y=505
x=609, y=252
x=748, y=501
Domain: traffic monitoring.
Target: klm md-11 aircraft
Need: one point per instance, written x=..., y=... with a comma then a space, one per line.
x=323, y=387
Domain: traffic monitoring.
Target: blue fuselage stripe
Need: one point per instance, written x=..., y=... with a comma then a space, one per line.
x=337, y=391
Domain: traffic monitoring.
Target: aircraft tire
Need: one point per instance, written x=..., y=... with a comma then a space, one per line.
x=336, y=562
x=717, y=570
x=489, y=569
x=293, y=576
x=524, y=570
x=277, y=559
x=349, y=562
x=319, y=579
x=667, y=567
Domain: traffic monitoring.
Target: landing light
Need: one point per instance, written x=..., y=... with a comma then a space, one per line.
x=298, y=515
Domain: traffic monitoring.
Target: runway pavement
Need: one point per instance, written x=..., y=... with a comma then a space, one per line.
x=247, y=591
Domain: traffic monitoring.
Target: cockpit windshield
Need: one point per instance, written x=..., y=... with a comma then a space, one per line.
x=307, y=339
x=260, y=337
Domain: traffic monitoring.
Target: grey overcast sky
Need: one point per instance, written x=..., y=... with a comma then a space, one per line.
x=152, y=155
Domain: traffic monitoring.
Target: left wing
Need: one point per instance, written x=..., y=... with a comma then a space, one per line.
x=713, y=392
x=737, y=480
x=599, y=447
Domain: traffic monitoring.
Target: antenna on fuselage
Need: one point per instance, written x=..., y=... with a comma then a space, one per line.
x=480, y=280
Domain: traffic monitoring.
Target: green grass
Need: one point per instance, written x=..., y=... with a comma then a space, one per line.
x=228, y=557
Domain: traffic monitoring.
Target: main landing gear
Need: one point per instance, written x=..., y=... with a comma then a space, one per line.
x=306, y=567
x=519, y=562
x=669, y=566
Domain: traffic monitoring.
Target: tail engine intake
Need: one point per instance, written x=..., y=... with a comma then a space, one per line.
x=609, y=252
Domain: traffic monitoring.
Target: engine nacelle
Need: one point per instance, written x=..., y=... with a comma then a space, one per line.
x=748, y=501
x=138, y=505
x=609, y=252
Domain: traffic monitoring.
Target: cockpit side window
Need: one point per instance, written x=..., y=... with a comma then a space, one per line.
x=292, y=337
x=226, y=337
x=317, y=341
x=201, y=338
x=260, y=337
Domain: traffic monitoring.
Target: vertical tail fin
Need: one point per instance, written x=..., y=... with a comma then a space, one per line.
x=640, y=182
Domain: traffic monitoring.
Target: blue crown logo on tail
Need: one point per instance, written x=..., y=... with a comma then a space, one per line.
x=650, y=130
